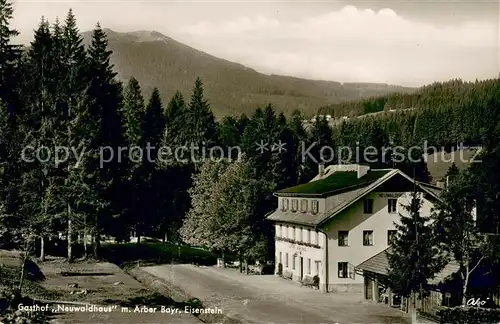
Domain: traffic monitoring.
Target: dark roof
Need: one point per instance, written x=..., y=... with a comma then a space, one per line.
x=339, y=200
x=338, y=181
x=379, y=264
x=434, y=189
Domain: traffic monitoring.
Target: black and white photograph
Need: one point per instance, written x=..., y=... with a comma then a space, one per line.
x=250, y=161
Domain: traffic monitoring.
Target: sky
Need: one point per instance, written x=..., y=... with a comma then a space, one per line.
x=409, y=43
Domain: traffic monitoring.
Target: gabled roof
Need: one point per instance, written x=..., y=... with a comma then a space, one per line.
x=342, y=199
x=379, y=264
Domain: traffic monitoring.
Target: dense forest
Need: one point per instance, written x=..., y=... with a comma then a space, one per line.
x=64, y=97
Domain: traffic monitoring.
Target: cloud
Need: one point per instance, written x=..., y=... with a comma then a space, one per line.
x=354, y=45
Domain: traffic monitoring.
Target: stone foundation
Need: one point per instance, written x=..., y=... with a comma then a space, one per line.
x=343, y=288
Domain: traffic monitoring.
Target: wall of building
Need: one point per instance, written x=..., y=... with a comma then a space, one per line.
x=355, y=221
x=307, y=244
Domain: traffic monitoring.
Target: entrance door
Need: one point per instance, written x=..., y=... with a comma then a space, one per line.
x=301, y=268
x=368, y=288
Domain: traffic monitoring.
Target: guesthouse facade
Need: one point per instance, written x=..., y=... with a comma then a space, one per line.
x=344, y=216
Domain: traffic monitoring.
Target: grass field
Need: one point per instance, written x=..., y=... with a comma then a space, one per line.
x=156, y=253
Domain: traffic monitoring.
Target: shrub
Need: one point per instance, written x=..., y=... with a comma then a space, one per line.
x=469, y=315
x=316, y=281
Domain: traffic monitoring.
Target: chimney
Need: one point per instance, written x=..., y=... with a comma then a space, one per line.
x=321, y=170
x=362, y=170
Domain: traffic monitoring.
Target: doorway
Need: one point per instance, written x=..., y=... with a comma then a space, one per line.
x=301, y=268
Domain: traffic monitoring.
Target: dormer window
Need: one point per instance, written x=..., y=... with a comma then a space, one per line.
x=284, y=205
x=303, y=205
x=315, y=206
x=294, y=205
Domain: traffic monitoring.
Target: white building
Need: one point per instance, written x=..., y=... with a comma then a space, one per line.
x=343, y=217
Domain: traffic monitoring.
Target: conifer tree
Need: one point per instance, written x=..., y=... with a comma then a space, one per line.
x=414, y=258
x=74, y=81
x=201, y=128
x=175, y=119
x=452, y=172
x=153, y=126
x=10, y=55
x=300, y=136
x=104, y=100
x=10, y=115
x=133, y=112
x=174, y=202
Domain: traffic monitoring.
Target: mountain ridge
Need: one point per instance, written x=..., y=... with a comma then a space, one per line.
x=157, y=60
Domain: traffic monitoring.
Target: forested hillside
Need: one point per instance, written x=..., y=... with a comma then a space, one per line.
x=156, y=60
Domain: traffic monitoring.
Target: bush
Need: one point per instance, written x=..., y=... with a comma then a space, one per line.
x=469, y=315
x=316, y=281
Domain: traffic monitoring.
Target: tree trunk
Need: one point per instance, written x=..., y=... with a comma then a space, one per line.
x=70, y=238
x=97, y=244
x=85, y=234
x=413, y=308
x=246, y=267
x=464, y=287
x=164, y=238
x=42, y=248
x=241, y=264
x=21, y=280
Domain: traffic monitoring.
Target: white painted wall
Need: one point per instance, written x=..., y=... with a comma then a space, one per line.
x=355, y=221
x=284, y=249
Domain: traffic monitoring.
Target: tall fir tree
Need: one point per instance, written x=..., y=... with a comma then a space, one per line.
x=153, y=126
x=104, y=100
x=10, y=55
x=414, y=258
x=201, y=128
x=133, y=112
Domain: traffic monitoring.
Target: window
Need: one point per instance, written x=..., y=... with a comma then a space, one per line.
x=286, y=260
x=316, y=238
x=390, y=236
x=281, y=261
x=308, y=266
x=367, y=238
x=343, y=269
x=293, y=233
x=303, y=205
x=346, y=270
x=285, y=205
x=280, y=230
x=343, y=238
x=294, y=205
x=392, y=205
x=294, y=261
x=318, y=264
x=309, y=236
x=315, y=206
x=368, y=206
x=282, y=203
x=300, y=234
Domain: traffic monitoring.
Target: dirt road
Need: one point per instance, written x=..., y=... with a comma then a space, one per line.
x=268, y=299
